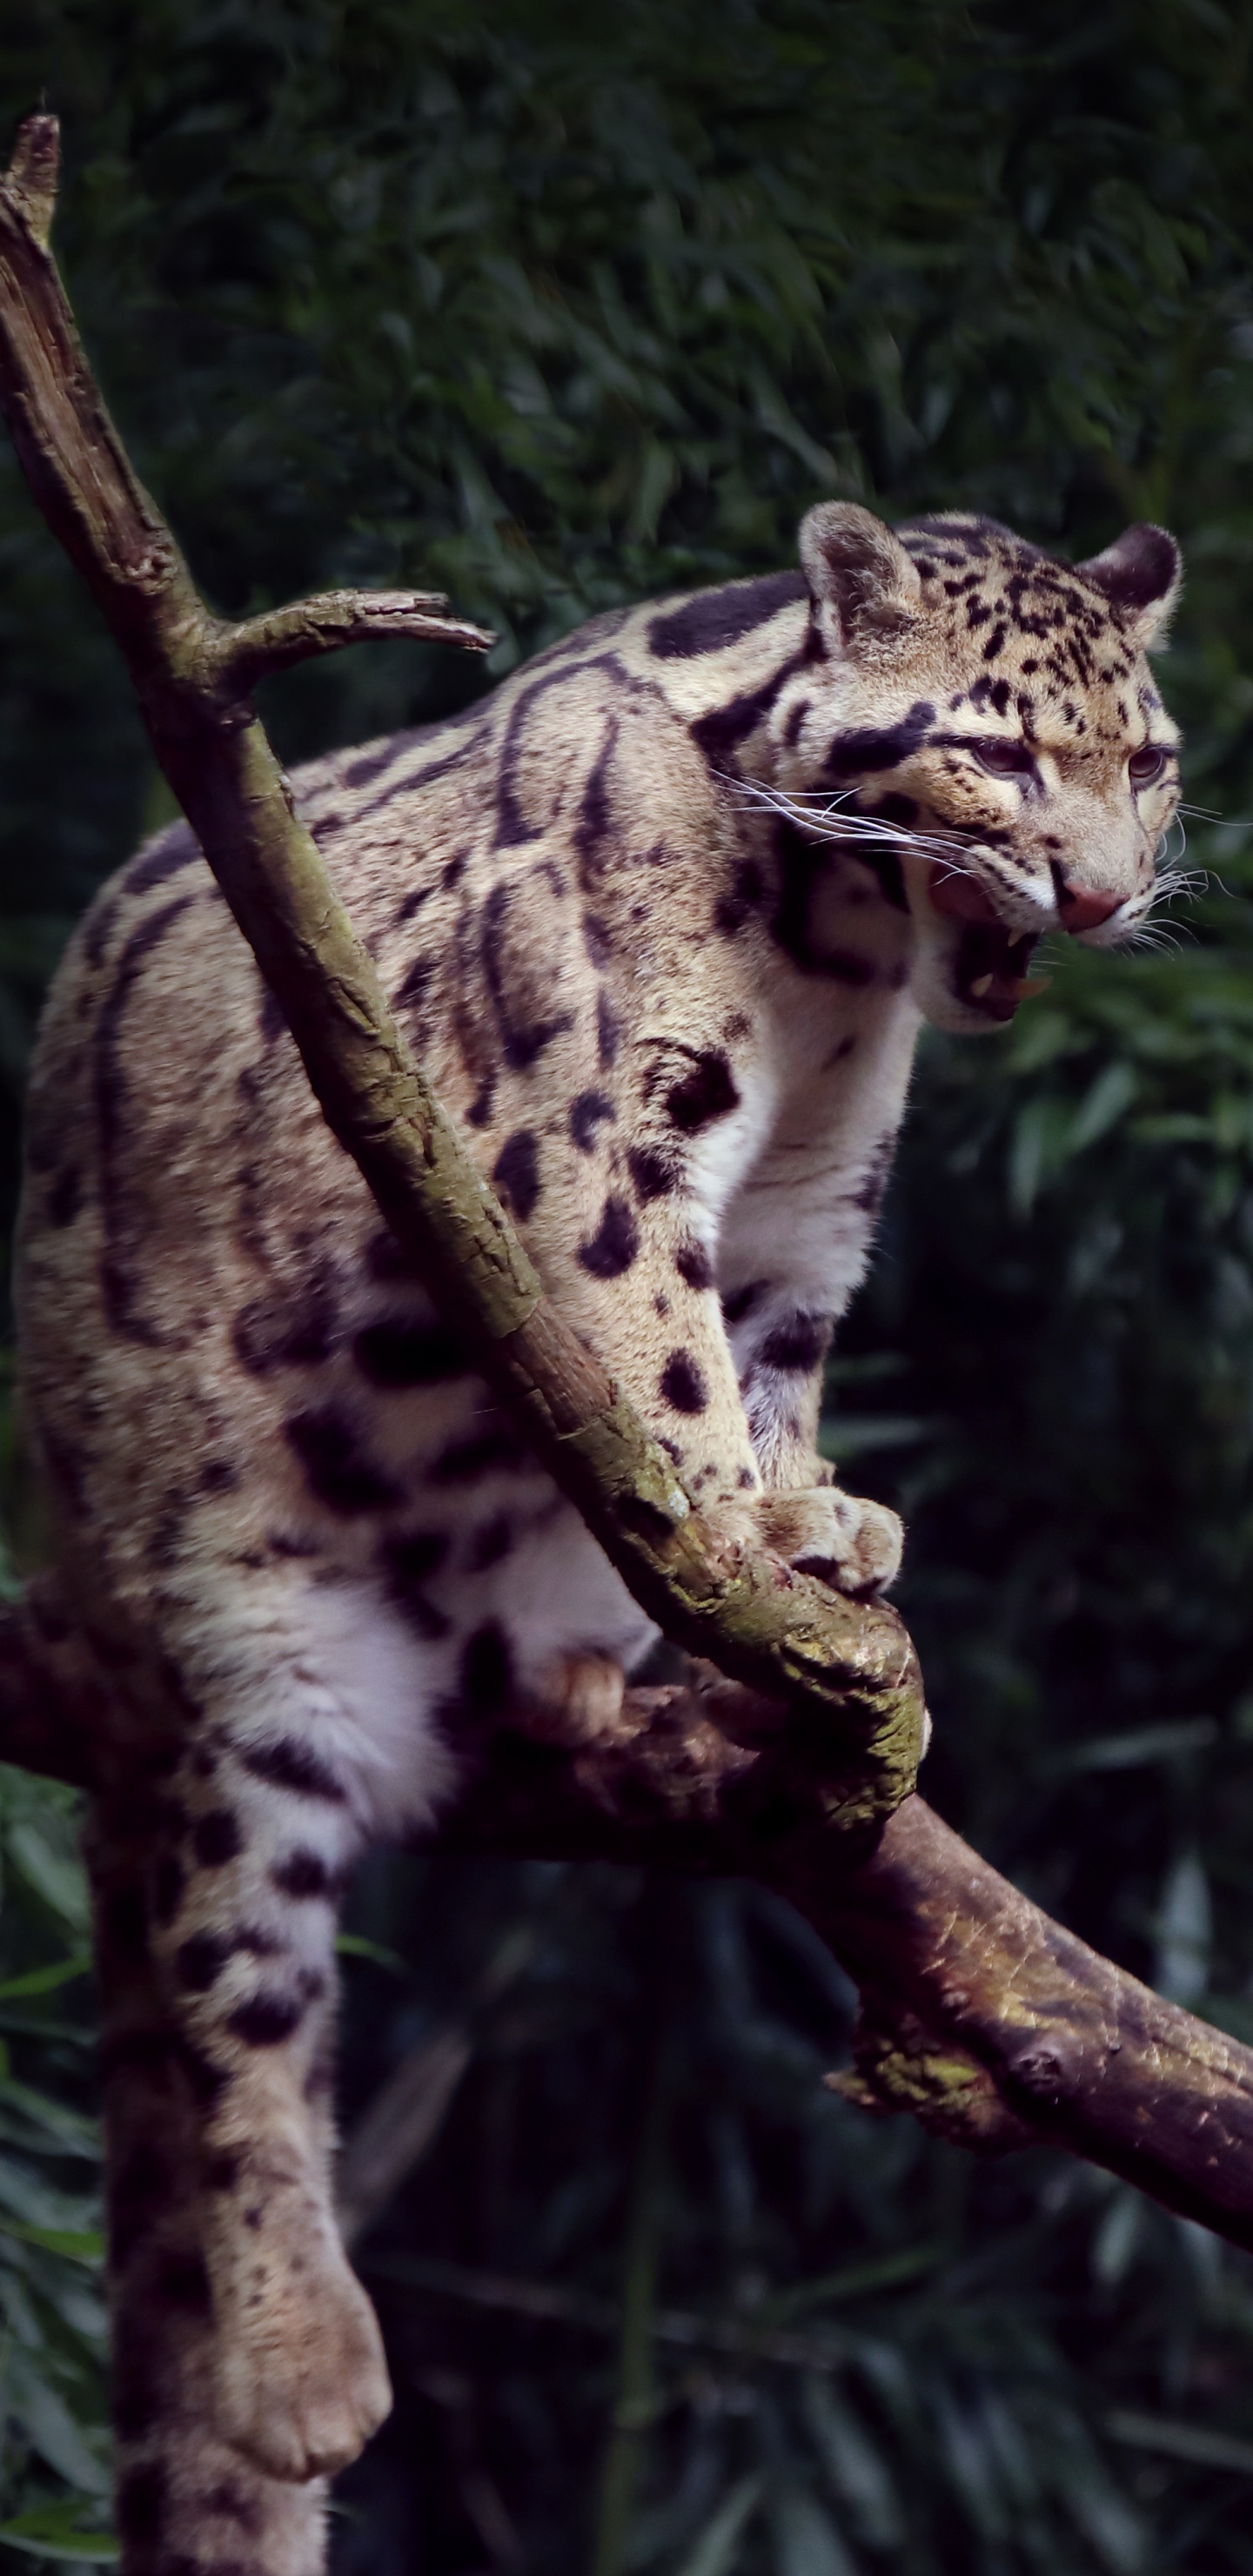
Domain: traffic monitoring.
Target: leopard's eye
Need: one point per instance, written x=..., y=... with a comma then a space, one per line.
x=1146, y=765
x=1003, y=759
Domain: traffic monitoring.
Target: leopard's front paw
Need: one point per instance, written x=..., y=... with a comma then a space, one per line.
x=850, y=1543
x=301, y=2379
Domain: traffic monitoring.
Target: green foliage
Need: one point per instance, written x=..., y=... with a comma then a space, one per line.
x=559, y=311
x=54, y=2470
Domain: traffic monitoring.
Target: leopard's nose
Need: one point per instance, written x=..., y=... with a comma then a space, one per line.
x=1082, y=911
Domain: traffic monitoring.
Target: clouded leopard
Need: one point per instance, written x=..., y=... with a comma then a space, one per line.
x=662, y=916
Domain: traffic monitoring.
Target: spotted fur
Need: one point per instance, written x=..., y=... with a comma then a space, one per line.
x=662, y=917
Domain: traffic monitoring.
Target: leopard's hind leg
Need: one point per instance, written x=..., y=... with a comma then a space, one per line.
x=186, y=2499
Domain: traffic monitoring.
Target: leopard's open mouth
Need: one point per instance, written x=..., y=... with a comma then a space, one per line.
x=990, y=968
x=990, y=962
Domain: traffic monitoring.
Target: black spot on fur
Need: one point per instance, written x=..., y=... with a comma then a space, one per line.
x=207, y=2080
x=265, y=2021
x=199, y=1961
x=233, y=2505
x=176, y=849
x=68, y=1466
x=798, y=1343
x=486, y=1671
x=682, y=1385
x=124, y=1920
x=706, y=1093
x=285, y=1332
x=741, y=1301
x=732, y=910
x=716, y=618
x=216, y=1838
x=65, y=1196
x=141, y=2503
x=142, y=2189
x=799, y=868
x=513, y=826
x=337, y=1467
x=141, y=2393
x=884, y=863
x=302, y=1874
x=287, y=1764
x=168, y=1884
x=596, y=939
x=593, y=831
x=693, y=1264
x=396, y=1354
x=467, y=1458
x=426, y=1621
x=795, y=722
x=414, y=1557
x=411, y=991
x=516, y=1173
x=869, y=1194
x=386, y=1260
x=608, y=1031
x=490, y=1544
x=586, y=1114
x=613, y=1247
x=871, y=748
x=718, y=735
x=182, y=2282
x=525, y=1033
x=653, y=1172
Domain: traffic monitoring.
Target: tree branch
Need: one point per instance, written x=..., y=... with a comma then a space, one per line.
x=242, y=655
x=982, y=2016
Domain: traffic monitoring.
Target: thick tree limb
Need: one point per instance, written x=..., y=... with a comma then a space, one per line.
x=981, y=2014
x=987, y=2020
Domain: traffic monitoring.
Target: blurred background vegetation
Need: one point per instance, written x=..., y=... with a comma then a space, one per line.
x=558, y=306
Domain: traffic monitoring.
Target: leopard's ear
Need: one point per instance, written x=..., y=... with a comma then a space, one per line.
x=1141, y=575
x=862, y=585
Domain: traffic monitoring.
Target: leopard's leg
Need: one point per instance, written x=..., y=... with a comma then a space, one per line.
x=184, y=2497
x=304, y=1732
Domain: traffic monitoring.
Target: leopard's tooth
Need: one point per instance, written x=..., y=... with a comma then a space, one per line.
x=981, y=985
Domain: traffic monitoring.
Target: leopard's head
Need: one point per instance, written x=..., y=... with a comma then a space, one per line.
x=981, y=722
